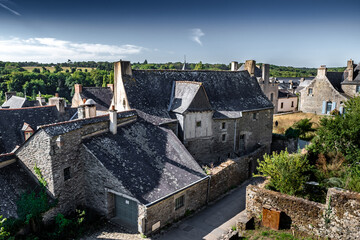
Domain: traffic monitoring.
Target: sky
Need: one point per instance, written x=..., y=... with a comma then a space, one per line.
x=281, y=32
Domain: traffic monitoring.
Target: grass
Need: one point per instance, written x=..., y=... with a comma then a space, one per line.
x=52, y=69
x=266, y=234
x=287, y=120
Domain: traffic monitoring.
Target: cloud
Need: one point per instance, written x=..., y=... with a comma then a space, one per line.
x=7, y=8
x=55, y=50
x=196, y=34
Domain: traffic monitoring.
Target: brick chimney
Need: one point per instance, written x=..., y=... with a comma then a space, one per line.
x=234, y=66
x=78, y=88
x=350, y=70
x=322, y=70
x=266, y=73
x=113, y=120
x=122, y=70
x=250, y=66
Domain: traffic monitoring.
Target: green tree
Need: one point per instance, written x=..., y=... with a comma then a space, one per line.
x=304, y=126
x=287, y=172
x=199, y=66
x=58, y=68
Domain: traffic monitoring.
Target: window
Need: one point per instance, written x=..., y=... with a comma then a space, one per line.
x=282, y=105
x=124, y=103
x=179, y=202
x=358, y=88
x=223, y=125
x=310, y=91
x=198, y=123
x=254, y=116
x=67, y=175
x=328, y=107
x=292, y=103
x=223, y=137
x=27, y=135
x=271, y=97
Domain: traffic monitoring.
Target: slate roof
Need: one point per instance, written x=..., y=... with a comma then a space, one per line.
x=12, y=121
x=335, y=79
x=101, y=95
x=150, y=91
x=15, y=181
x=283, y=93
x=18, y=102
x=148, y=160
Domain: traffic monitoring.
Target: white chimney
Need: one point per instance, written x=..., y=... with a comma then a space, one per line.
x=113, y=120
x=234, y=66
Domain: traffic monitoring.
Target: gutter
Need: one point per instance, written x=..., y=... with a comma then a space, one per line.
x=171, y=194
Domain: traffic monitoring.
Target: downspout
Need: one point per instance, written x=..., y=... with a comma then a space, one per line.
x=235, y=137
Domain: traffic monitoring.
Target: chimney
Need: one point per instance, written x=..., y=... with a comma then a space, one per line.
x=291, y=84
x=41, y=100
x=250, y=67
x=122, y=70
x=350, y=70
x=322, y=70
x=78, y=88
x=81, y=112
x=58, y=102
x=113, y=120
x=266, y=73
x=302, y=80
x=111, y=86
x=8, y=95
x=234, y=66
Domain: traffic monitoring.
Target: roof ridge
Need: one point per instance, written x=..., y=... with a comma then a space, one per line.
x=24, y=108
x=192, y=82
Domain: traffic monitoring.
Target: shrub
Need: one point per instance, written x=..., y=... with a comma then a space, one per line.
x=288, y=173
x=292, y=133
x=353, y=179
x=304, y=126
x=3, y=233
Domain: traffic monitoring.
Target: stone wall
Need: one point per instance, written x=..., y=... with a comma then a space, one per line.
x=164, y=211
x=339, y=218
x=233, y=172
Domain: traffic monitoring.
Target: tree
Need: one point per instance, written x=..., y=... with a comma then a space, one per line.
x=340, y=133
x=304, y=126
x=36, y=70
x=145, y=62
x=287, y=172
x=199, y=66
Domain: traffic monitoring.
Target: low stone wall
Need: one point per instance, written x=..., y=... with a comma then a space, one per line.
x=233, y=172
x=339, y=218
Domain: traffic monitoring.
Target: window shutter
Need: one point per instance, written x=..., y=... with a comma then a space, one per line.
x=341, y=110
x=333, y=107
x=324, y=107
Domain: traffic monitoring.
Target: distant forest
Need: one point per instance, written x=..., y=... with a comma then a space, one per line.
x=30, y=78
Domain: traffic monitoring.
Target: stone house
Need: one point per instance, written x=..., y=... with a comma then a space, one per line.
x=329, y=90
x=121, y=166
x=216, y=114
x=268, y=85
x=287, y=101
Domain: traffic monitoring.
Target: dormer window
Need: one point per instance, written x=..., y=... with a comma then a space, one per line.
x=27, y=130
x=310, y=91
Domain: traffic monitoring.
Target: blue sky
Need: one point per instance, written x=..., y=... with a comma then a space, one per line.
x=291, y=33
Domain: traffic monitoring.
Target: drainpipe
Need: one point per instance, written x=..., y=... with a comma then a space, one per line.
x=235, y=137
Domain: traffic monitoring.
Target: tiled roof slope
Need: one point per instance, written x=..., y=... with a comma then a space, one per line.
x=150, y=91
x=101, y=95
x=148, y=160
x=335, y=79
x=18, y=102
x=12, y=121
x=14, y=182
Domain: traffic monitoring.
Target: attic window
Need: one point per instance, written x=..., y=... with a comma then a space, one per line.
x=223, y=125
x=292, y=103
x=198, y=123
x=67, y=174
x=124, y=103
x=179, y=202
x=310, y=91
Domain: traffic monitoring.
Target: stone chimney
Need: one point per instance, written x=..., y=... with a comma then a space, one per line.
x=266, y=73
x=322, y=70
x=81, y=112
x=78, y=88
x=113, y=120
x=350, y=70
x=291, y=84
x=90, y=108
x=250, y=66
x=111, y=86
x=8, y=95
x=122, y=70
x=302, y=80
x=234, y=66
x=58, y=102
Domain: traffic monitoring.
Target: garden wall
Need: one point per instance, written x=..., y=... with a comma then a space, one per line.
x=339, y=218
x=233, y=172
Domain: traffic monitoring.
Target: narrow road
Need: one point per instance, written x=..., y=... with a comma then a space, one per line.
x=214, y=220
